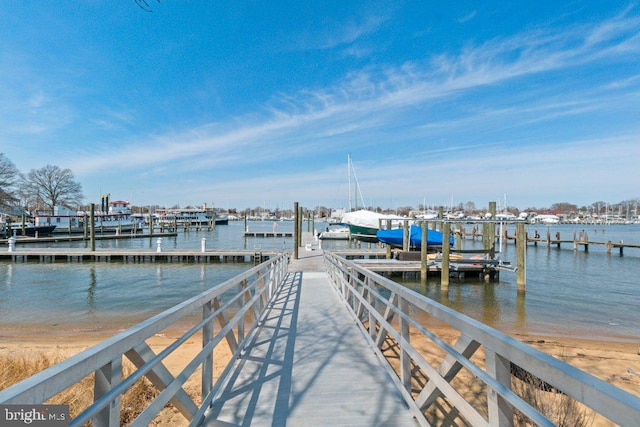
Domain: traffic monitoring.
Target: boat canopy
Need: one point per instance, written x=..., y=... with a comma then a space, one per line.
x=369, y=219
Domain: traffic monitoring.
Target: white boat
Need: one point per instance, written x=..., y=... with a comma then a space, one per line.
x=186, y=216
x=506, y=216
x=338, y=233
x=118, y=219
x=545, y=219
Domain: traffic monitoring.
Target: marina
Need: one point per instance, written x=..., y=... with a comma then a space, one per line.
x=293, y=328
x=567, y=292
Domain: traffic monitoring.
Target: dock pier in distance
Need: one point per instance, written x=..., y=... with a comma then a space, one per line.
x=51, y=255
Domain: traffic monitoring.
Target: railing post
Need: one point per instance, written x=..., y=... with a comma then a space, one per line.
x=207, y=364
x=500, y=411
x=106, y=378
x=242, y=286
x=405, y=359
x=372, y=318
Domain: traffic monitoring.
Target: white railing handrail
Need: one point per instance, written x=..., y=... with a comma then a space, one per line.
x=360, y=289
x=255, y=288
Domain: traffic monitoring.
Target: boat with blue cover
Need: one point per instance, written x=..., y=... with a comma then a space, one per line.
x=394, y=237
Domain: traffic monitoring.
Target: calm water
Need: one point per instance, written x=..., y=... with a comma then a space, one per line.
x=568, y=293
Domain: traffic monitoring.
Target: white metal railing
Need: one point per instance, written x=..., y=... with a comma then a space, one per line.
x=387, y=313
x=245, y=298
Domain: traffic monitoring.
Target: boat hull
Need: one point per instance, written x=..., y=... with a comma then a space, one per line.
x=364, y=234
x=222, y=220
x=338, y=234
x=44, y=230
x=394, y=237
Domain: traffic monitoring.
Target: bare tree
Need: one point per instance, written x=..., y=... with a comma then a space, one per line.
x=53, y=186
x=9, y=177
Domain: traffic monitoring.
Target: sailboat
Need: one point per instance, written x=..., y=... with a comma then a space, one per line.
x=363, y=224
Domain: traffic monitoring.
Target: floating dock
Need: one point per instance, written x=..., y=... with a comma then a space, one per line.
x=79, y=237
x=51, y=255
x=268, y=234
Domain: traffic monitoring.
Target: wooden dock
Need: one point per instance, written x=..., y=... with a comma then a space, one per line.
x=309, y=364
x=459, y=268
x=576, y=242
x=80, y=237
x=135, y=255
x=268, y=234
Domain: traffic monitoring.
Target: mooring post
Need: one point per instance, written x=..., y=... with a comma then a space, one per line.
x=405, y=236
x=388, y=245
x=521, y=260
x=92, y=226
x=444, y=273
x=492, y=231
x=423, y=253
x=295, y=230
x=300, y=218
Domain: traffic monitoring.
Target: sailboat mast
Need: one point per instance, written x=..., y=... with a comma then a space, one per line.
x=349, y=177
x=351, y=170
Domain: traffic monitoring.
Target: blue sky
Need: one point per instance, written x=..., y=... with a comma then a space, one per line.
x=245, y=104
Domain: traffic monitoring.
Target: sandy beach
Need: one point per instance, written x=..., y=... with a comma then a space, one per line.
x=615, y=361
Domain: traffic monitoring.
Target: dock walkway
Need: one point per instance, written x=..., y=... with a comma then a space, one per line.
x=309, y=363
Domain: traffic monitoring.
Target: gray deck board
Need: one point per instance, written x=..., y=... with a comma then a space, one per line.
x=309, y=365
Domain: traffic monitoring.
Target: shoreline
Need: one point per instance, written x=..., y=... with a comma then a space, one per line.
x=615, y=360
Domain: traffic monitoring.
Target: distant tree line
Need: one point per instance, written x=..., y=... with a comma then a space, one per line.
x=42, y=188
x=51, y=186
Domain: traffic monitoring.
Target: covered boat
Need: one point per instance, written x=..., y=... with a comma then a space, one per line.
x=394, y=237
x=364, y=224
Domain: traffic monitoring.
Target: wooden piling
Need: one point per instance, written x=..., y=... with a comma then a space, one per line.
x=405, y=236
x=388, y=246
x=92, y=226
x=521, y=260
x=300, y=219
x=423, y=254
x=296, y=230
x=491, y=231
x=444, y=273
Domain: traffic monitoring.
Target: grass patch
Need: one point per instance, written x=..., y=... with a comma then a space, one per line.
x=16, y=367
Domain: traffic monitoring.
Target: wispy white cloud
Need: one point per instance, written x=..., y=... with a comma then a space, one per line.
x=468, y=17
x=413, y=101
x=381, y=96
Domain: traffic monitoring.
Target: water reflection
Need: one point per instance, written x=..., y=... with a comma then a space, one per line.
x=91, y=291
x=521, y=310
x=490, y=305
